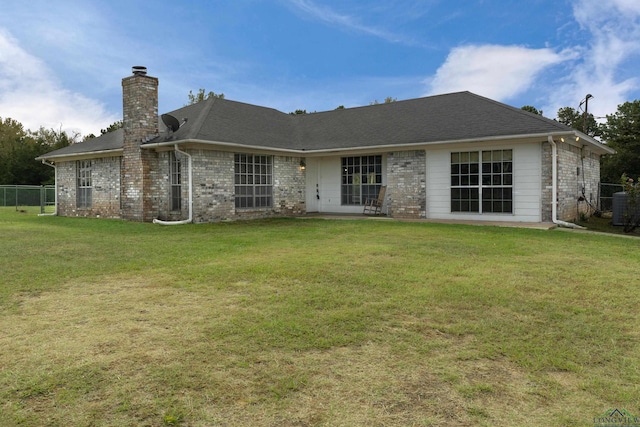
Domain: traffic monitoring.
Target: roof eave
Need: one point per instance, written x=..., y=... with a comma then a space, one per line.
x=243, y=147
x=86, y=154
x=385, y=147
x=592, y=143
x=440, y=142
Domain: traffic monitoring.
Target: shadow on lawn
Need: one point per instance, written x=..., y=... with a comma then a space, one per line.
x=604, y=224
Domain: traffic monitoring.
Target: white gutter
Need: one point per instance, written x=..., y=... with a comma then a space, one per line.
x=55, y=185
x=554, y=187
x=383, y=147
x=86, y=154
x=190, y=219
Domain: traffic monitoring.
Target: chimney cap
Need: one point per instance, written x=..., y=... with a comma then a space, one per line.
x=139, y=70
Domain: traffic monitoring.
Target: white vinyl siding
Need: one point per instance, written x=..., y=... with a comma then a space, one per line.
x=328, y=177
x=526, y=184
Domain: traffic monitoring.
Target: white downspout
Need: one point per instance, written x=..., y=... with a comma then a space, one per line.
x=190, y=219
x=55, y=180
x=554, y=187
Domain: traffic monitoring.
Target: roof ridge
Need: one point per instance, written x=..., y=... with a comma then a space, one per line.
x=520, y=111
x=201, y=118
x=248, y=104
x=382, y=104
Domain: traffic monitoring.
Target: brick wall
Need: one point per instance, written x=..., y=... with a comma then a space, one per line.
x=289, y=186
x=406, y=184
x=578, y=168
x=591, y=169
x=547, y=183
x=213, y=185
x=105, y=192
x=214, y=189
x=140, y=123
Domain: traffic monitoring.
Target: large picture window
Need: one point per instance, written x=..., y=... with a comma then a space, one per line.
x=175, y=172
x=83, y=184
x=253, y=181
x=361, y=179
x=482, y=181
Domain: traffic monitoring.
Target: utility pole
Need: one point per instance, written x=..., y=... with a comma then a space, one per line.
x=585, y=114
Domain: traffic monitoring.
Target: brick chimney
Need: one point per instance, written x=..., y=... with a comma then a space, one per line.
x=140, y=124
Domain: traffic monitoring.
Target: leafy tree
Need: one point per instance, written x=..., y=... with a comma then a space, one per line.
x=622, y=133
x=201, y=96
x=50, y=139
x=113, y=126
x=387, y=100
x=46, y=140
x=12, y=139
x=297, y=112
x=19, y=148
x=531, y=109
x=575, y=119
x=340, y=107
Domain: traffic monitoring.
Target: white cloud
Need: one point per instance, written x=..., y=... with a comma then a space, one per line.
x=603, y=66
x=604, y=71
x=30, y=94
x=494, y=71
x=348, y=22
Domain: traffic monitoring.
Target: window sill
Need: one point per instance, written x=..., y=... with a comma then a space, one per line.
x=254, y=209
x=483, y=213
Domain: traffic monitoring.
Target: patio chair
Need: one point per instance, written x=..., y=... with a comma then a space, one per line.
x=374, y=206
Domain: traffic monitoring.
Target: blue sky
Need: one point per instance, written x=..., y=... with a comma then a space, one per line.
x=61, y=62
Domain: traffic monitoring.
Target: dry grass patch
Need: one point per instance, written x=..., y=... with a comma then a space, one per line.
x=136, y=351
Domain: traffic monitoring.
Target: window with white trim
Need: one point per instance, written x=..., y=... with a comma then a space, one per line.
x=361, y=179
x=83, y=184
x=482, y=181
x=253, y=181
x=175, y=173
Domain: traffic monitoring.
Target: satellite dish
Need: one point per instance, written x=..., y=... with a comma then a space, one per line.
x=171, y=122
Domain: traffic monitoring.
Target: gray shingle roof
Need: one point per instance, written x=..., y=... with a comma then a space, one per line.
x=221, y=120
x=435, y=119
x=111, y=141
x=442, y=118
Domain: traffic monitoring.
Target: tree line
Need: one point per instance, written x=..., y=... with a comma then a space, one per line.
x=19, y=148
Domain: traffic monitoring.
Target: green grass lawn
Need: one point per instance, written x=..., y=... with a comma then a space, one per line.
x=311, y=322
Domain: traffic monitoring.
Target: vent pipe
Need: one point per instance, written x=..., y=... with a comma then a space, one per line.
x=139, y=70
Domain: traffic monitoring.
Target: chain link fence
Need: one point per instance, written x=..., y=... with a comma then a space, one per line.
x=29, y=195
x=45, y=195
x=606, y=195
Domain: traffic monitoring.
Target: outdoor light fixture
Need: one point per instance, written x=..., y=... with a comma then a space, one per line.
x=562, y=139
x=303, y=165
